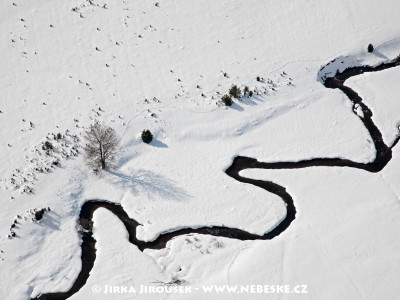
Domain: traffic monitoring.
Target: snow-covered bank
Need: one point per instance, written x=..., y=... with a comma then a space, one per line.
x=381, y=92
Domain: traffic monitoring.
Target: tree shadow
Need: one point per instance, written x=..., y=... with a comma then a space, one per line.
x=158, y=144
x=379, y=54
x=51, y=220
x=236, y=106
x=151, y=184
x=249, y=100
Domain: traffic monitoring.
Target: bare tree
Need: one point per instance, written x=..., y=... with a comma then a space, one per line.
x=102, y=146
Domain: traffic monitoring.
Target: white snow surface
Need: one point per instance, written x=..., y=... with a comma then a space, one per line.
x=134, y=65
x=381, y=92
x=114, y=252
x=340, y=253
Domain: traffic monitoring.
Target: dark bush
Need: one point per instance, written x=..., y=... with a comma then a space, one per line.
x=235, y=91
x=258, y=78
x=397, y=60
x=47, y=146
x=250, y=93
x=246, y=90
x=39, y=214
x=370, y=48
x=147, y=137
x=226, y=100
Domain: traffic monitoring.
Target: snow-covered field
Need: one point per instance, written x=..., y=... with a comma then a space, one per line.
x=382, y=93
x=134, y=65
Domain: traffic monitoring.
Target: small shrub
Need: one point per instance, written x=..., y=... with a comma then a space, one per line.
x=258, y=78
x=370, y=48
x=219, y=244
x=226, y=100
x=235, y=91
x=47, y=146
x=39, y=214
x=246, y=90
x=250, y=93
x=397, y=60
x=147, y=137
